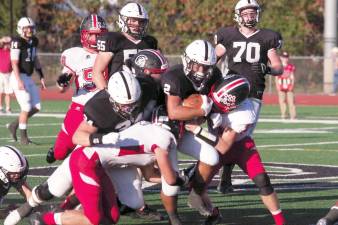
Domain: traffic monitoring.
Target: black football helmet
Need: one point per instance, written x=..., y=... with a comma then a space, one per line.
x=147, y=62
x=160, y=117
x=92, y=24
x=229, y=92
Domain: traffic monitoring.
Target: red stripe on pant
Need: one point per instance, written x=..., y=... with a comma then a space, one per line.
x=245, y=155
x=93, y=188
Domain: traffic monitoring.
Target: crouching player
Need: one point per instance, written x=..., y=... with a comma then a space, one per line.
x=236, y=146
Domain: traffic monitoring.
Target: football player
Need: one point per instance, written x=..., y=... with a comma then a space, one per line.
x=13, y=171
x=24, y=60
x=136, y=145
x=234, y=141
x=195, y=75
x=77, y=65
x=116, y=47
x=331, y=217
x=248, y=50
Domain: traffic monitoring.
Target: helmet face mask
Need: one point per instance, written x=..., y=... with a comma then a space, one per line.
x=247, y=13
x=133, y=20
x=92, y=26
x=26, y=28
x=125, y=94
x=199, y=60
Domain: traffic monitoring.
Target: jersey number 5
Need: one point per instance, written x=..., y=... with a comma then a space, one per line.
x=251, y=51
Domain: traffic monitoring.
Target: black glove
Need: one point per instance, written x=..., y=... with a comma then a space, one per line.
x=50, y=156
x=260, y=68
x=63, y=79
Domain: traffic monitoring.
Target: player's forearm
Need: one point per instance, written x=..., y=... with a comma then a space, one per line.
x=98, y=79
x=184, y=113
x=16, y=70
x=81, y=138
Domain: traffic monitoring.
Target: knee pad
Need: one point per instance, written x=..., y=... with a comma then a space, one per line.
x=169, y=190
x=43, y=193
x=210, y=157
x=262, y=181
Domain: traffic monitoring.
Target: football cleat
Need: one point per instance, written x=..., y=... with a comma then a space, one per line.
x=146, y=213
x=50, y=156
x=324, y=221
x=195, y=201
x=215, y=218
x=189, y=171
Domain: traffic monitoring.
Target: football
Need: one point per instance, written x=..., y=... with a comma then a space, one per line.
x=193, y=101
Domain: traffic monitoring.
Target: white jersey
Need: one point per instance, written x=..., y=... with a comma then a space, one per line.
x=135, y=146
x=79, y=62
x=240, y=119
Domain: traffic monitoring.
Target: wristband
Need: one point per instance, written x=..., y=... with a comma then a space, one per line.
x=206, y=136
x=95, y=139
x=39, y=71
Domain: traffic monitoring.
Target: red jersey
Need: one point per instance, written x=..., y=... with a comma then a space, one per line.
x=5, y=62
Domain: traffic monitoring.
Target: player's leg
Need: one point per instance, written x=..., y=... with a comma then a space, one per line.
x=208, y=158
x=331, y=217
x=8, y=91
x=282, y=103
x=63, y=143
x=225, y=184
x=250, y=162
x=291, y=103
x=87, y=174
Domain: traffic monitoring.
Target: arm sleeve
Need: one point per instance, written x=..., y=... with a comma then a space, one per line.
x=15, y=49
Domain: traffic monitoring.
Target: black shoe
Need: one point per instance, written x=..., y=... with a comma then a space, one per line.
x=50, y=156
x=12, y=127
x=146, y=213
x=189, y=171
x=225, y=188
x=215, y=218
x=195, y=201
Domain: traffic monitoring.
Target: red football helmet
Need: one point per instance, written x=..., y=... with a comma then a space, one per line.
x=92, y=24
x=229, y=92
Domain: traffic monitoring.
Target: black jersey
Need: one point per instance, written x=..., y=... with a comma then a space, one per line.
x=99, y=111
x=242, y=51
x=27, y=53
x=122, y=48
x=175, y=82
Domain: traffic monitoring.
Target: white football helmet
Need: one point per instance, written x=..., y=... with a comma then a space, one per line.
x=13, y=164
x=125, y=93
x=25, y=22
x=203, y=53
x=136, y=11
x=246, y=4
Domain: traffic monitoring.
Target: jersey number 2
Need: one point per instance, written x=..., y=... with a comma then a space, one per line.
x=251, y=51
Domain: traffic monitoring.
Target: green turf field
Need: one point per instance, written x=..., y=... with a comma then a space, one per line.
x=301, y=156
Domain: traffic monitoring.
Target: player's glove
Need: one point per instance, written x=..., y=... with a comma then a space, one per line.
x=63, y=80
x=181, y=180
x=260, y=68
x=206, y=105
x=50, y=156
x=216, y=120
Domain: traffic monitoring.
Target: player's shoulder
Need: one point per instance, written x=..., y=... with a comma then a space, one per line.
x=73, y=52
x=151, y=41
x=268, y=33
x=35, y=41
x=227, y=31
x=243, y=114
x=173, y=75
x=112, y=36
x=17, y=42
